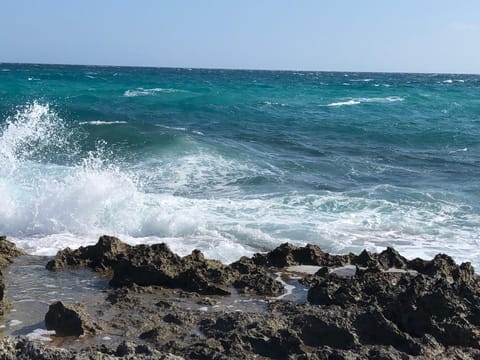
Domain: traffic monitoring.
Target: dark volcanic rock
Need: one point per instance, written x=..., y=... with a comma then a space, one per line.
x=287, y=255
x=69, y=321
x=8, y=251
x=254, y=279
x=258, y=284
x=146, y=265
x=104, y=255
x=375, y=306
x=158, y=265
x=20, y=348
x=428, y=298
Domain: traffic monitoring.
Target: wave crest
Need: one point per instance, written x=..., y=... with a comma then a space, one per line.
x=153, y=91
x=357, y=101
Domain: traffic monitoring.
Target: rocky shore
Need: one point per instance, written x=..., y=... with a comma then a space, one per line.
x=289, y=303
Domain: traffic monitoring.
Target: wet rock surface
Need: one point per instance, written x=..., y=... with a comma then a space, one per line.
x=163, y=306
x=8, y=251
x=157, y=265
x=70, y=320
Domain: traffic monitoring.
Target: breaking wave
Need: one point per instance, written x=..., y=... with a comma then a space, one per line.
x=358, y=101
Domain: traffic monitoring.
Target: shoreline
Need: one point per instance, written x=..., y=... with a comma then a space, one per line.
x=292, y=302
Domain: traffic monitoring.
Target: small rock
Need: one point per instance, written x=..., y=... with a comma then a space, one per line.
x=69, y=320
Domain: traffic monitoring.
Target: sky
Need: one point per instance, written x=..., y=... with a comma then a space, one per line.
x=331, y=35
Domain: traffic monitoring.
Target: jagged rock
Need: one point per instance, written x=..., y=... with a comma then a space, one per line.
x=377, y=306
x=438, y=299
x=69, y=320
x=258, y=284
x=254, y=279
x=158, y=265
x=8, y=251
x=244, y=333
x=288, y=254
x=104, y=255
x=147, y=265
x=20, y=348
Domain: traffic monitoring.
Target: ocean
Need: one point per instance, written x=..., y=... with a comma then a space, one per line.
x=234, y=162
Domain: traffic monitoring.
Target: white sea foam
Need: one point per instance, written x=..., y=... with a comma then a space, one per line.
x=344, y=103
x=14, y=322
x=40, y=335
x=172, y=127
x=274, y=103
x=146, y=92
x=195, y=132
x=451, y=81
x=357, y=101
x=458, y=150
x=101, y=122
x=192, y=200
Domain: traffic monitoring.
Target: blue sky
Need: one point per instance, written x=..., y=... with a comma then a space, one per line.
x=344, y=35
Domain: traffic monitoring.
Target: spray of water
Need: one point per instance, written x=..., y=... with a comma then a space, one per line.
x=55, y=195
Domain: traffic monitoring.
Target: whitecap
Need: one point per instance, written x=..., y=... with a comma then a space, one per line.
x=357, y=101
x=171, y=127
x=273, y=103
x=100, y=122
x=193, y=200
x=459, y=150
x=146, y=92
x=343, y=103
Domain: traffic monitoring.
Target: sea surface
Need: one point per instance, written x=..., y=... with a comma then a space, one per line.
x=234, y=162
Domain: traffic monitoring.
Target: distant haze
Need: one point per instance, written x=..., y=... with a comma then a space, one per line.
x=368, y=35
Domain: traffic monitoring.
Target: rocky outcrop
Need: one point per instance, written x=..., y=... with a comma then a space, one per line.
x=379, y=306
x=148, y=265
x=102, y=256
x=20, y=348
x=157, y=265
x=70, y=320
x=8, y=251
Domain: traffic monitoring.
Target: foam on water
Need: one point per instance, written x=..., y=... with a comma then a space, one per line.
x=146, y=92
x=194, y=200
x=357, y=101
x=101, y=122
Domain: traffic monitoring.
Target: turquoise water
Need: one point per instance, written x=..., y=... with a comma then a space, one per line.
x=231, y=162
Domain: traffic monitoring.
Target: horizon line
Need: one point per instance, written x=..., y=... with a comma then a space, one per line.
x=235, y=69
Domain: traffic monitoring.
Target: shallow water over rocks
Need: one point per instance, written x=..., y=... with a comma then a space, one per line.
x=31, y=289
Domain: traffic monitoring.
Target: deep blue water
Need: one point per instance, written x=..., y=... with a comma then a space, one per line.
x=236, y=161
